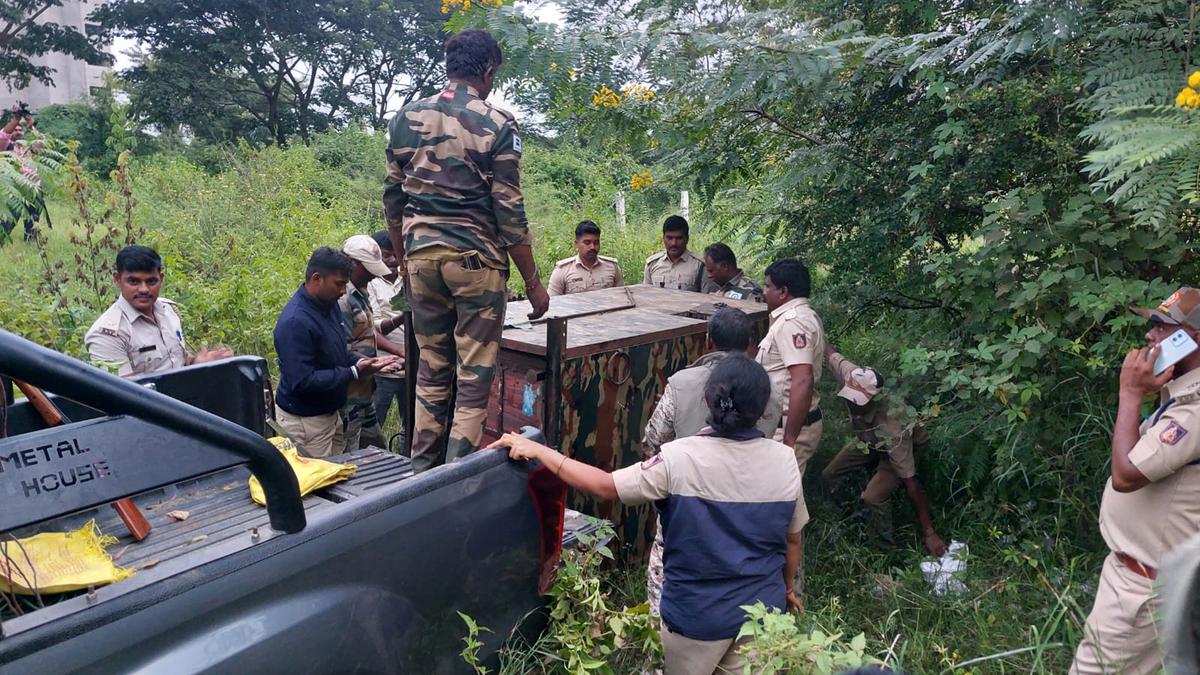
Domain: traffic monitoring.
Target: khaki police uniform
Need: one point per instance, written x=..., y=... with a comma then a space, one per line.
x=570, y=275
x=132, y=343
x=684, y=274
x=1141, y=528
x=728, y=506
x=682, y=412
x=796, y=337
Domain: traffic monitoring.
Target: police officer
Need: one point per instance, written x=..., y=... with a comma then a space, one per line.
x=725, y=278
x=792, y=353
x=733, y=517
x=889, y=447
x=588, y=270
x=675, y=266
x=455, y=212
x=681, y=412
x=142, y=333
x=1151, y=502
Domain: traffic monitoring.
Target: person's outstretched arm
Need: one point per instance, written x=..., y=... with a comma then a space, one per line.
x=578, y=475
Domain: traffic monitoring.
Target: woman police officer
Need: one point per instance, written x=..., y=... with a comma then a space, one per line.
x=732, y=510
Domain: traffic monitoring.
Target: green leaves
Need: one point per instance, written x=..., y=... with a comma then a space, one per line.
x=779, y=645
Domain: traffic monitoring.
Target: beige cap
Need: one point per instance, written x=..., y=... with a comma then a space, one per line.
x=1181, y=308
x=867, y=386
x=365, y=250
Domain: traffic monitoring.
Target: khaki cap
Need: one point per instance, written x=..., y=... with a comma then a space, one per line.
x=365, y=250
x=868, y=386
x=1181, y=308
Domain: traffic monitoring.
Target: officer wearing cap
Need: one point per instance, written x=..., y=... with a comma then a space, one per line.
x=1151, y=502
x=141, y=332
x=882, y=443
x=588, y=270
x=359, y=422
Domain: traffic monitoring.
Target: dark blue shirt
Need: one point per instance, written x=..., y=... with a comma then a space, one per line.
x=314, y=359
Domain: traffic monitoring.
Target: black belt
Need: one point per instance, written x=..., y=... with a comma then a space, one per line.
x=813, y=417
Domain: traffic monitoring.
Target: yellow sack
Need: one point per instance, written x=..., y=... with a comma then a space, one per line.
x=313, y=474
x=61, y=562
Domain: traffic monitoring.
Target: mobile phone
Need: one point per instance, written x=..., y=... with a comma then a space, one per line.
x=1172, y=350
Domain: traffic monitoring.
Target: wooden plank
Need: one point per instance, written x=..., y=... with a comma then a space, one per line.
x=665, y=300
x=606, y=332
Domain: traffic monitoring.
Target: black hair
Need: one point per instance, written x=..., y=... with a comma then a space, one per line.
x=729, y=329
x=736, y=393
x=138, y=259
x=328, y=261
x=586, y=227
x=385, y=242
x=675, y=224
x=791, y=274
x=721, y=254
x=470, y=52
x=878, y=378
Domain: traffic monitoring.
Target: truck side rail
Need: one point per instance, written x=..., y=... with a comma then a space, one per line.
x=90, y=386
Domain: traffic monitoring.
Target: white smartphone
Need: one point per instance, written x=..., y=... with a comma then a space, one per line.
x=1177, y=345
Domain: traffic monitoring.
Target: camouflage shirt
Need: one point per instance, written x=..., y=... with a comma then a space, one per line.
x=356, y=311
x=741, y=287
x=453, y=177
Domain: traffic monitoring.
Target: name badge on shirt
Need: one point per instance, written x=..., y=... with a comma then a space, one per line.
x=151, y=348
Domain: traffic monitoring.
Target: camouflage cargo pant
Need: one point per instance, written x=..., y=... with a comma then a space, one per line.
x=358, y=427
x=654, y=571
x=458, y=316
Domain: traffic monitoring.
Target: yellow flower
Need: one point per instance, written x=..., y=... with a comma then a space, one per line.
x=641, y=180
x=1194, y=80
x=553, y=66
x=606, y=98
x=571, y=73
x=1185, y=97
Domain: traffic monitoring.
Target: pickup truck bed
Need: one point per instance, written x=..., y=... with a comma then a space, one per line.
x=366, y=576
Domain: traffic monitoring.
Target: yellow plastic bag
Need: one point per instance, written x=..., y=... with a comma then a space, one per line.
x=57, y=562
x=313, y=474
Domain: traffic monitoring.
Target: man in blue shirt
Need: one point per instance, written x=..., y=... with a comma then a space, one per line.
x=315, y=363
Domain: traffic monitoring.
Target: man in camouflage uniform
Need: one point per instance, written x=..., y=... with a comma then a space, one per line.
x=359, y=422
x=682, y=412
x=674, y=266
x=455, y=213
x=882, y=444
x=588, y=270
x=725, y=278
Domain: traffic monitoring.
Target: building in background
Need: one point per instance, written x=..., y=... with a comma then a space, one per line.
x=73, y=79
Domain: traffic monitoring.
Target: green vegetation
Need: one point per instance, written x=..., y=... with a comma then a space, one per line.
x=981, y=189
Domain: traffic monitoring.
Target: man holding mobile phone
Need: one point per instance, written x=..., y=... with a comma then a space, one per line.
x=1151, y=503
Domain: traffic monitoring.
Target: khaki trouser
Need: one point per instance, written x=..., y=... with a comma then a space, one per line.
x=313, y=435
x=685, y=656
x=1120, y=635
